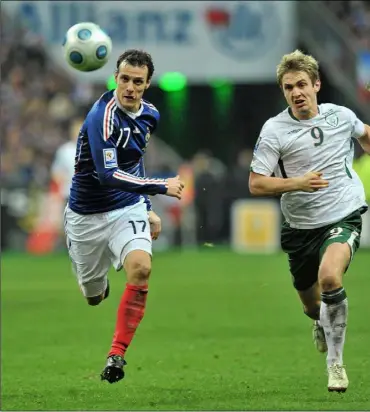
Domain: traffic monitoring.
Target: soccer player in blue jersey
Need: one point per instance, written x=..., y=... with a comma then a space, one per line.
x=109, y=219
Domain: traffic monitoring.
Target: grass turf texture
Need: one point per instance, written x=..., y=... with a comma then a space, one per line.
x=221, y=332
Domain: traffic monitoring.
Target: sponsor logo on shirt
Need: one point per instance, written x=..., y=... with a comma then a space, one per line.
x=294, y=131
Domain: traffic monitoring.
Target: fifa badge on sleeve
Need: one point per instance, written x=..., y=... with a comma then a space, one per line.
x=110, y=158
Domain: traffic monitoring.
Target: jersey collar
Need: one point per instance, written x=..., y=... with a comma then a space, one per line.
x=290, y=111
x=130, y=114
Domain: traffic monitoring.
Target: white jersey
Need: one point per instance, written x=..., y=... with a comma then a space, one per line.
x=288, y=147
x=63, y=165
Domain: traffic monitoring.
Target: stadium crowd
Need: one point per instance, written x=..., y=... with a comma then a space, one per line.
x=356, y=14
x=38, y=104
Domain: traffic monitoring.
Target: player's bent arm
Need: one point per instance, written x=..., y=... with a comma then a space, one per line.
x=261, y=185
x=103, y=145
x=266, y=155
x=365, y=140
x=110, y=174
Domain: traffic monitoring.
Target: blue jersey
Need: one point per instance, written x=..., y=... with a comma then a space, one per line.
x=109, y=167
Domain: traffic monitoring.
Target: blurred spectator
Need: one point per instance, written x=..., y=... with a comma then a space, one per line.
x=62, y=169
x=236, y=184
x=209, y=175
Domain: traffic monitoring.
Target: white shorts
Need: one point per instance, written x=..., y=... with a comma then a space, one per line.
x=97, y=241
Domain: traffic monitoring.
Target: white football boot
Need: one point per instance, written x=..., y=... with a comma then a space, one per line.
x=318, y=335
x=338, y=380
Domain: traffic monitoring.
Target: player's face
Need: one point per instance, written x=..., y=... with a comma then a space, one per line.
x=131, y=84
x=301, y=94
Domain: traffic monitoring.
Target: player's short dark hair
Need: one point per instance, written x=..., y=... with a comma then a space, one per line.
x=137, y=58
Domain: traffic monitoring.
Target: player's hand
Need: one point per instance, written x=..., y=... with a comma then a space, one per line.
x=155, y=225
x=174, y=187
x=312, y=181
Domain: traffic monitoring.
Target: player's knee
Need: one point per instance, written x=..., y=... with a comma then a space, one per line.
x=333, y=265
x=328, y=277
x=94, y=300
x=139, y=272
x=328, y=280
x=330, y=283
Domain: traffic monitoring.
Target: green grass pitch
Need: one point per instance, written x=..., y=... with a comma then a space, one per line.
x=222, y=332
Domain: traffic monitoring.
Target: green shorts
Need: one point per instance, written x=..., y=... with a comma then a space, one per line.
x=305, y=247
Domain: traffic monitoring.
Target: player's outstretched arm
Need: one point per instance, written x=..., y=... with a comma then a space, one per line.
x=365, y=140
x=260, y=185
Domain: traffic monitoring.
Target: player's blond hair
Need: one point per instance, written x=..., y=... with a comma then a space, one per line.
x=298, y=62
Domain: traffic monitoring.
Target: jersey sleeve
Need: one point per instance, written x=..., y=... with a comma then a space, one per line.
x=266, y=153
x=358, y=127
x=103, y=137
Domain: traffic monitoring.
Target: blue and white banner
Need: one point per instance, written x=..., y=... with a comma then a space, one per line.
x=241, y=40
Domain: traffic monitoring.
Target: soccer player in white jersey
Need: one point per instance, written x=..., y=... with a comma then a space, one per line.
x=305, y=153
x=109, y=219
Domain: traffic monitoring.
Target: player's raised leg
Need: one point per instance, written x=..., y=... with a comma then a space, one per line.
x=130, y=312
x=334, y=307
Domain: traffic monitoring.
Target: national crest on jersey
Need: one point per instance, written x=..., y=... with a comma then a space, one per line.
x=332, y=118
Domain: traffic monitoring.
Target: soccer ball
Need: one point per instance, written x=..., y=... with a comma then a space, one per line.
x=87, y=47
